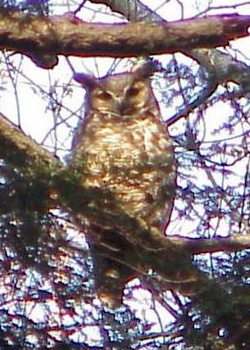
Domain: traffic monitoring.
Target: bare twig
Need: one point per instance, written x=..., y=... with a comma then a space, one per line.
x=201, y=99
x=132, y=10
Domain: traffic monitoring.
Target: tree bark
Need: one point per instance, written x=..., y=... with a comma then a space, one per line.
x=41, y=37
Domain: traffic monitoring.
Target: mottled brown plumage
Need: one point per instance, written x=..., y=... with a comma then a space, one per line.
x=122, y=149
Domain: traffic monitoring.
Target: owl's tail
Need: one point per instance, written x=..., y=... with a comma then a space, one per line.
x=117, y=261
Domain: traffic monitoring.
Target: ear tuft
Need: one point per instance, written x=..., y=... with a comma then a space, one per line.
x=147, y=69
x=86, y=80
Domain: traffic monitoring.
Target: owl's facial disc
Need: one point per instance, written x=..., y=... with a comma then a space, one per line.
x=119, y=97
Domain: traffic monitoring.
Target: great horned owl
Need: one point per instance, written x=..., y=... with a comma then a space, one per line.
x=124, y=155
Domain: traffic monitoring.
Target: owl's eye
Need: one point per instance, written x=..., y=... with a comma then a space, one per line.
x=133, y=91
x=103, y=95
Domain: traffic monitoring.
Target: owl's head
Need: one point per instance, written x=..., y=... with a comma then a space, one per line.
x=125, y=94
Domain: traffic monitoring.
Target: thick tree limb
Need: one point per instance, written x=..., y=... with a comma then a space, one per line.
x=66, y=35
x=20, y=150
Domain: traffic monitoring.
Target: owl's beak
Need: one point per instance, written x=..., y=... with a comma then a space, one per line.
x=123, y=107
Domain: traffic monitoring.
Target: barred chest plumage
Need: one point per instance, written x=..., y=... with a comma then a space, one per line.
x=131, y=158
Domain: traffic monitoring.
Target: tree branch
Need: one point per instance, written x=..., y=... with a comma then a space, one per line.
x=212, y=245
x=66, y=35
x=223, y=67
x=202, y=97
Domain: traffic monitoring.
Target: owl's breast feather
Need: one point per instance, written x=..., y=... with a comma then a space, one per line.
x=142, y=138
x=133, y=161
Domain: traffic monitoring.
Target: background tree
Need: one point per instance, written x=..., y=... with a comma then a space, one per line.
x=47, y=293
